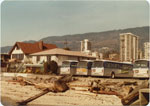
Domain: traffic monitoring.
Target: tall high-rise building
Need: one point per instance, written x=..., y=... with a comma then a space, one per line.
x=128, y=47
x=147, y=50
x=140, y=54
x=86, y=46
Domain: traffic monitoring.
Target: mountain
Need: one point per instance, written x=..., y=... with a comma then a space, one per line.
x=98, y=39
x=5, y=49
x=30, y=41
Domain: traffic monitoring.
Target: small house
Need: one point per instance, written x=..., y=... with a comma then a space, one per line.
x=21, y=51
x=59, y=55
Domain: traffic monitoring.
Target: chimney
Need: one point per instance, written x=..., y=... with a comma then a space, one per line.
x=41, y=45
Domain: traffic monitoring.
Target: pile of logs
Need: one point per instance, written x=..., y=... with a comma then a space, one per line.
x=47, y=85
x=124, y=91
x=133, y=96
x=127, y=91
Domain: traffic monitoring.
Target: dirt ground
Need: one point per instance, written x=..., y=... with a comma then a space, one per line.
x=17, y=93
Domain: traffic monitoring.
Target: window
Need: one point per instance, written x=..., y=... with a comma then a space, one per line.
x=38, y=58
x=66, y=64
x=127, y=67
x=111, y=65
x=98, y=64
x=141, y=63
x=18, y=56
x=107, y=65
x=82, y=64
x=21, y=56
x=48, y=58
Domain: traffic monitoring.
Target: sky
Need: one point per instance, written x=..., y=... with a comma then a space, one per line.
x=33, y=20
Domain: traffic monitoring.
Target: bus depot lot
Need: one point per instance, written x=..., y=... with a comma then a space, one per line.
x=76, y=95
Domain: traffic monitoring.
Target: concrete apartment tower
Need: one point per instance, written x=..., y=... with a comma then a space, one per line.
x=147, y=50
x=128, y=47
x=86, y=46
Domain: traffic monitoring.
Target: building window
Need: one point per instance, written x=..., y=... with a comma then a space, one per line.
x=18, y=56
x=48, y=58
x=38, y=58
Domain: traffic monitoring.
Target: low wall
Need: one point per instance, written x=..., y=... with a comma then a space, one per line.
x=26, y=75
x=5, y=74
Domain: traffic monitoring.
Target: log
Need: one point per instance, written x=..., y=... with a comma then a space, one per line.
x=86, y=93
x=24, y=102
x=109, y=93
x=128, y=83
x=25, y=82
x=79, y=89
x=54, y=86
x=109, y=83
x=66, y=78
x=79, y=86
x=134, y=94
x=29, y=82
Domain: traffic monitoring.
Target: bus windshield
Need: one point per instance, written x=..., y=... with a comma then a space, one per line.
x=141, y=64
x=66, y=64
x=97, y=64
x=82, y=64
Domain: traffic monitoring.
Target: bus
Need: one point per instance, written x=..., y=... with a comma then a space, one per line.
x=68, y=67
x=111, y=69
x=141, y=69
x=84, y=67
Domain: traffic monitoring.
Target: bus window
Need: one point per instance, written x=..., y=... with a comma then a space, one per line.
x=66, y=64
x=98, y=64
x=142, y=64
x=141, y=69
x=126, y=67
x=82, y=64
x=107, y=65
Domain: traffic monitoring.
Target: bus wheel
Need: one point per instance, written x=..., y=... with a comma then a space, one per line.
x=113, y=75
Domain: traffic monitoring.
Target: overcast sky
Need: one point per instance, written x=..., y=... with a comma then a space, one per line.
x=33, y=20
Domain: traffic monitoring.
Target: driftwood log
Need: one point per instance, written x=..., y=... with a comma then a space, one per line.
x=34, y=97
x=128, y=83
x=134, y=94
x=55, y=85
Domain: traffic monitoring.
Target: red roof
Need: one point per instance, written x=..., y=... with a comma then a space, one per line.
x=29, y=48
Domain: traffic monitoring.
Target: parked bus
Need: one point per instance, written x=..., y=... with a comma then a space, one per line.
x=111, y=69
x=141, y=69
x=84, y=67
x=68, y=67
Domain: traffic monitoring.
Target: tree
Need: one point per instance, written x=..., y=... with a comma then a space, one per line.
x=53, y=67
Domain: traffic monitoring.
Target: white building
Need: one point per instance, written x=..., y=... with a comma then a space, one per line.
x=21, y=50
x=59, y=55
x=86, y=46
x=147, y=50
x=128, y=47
